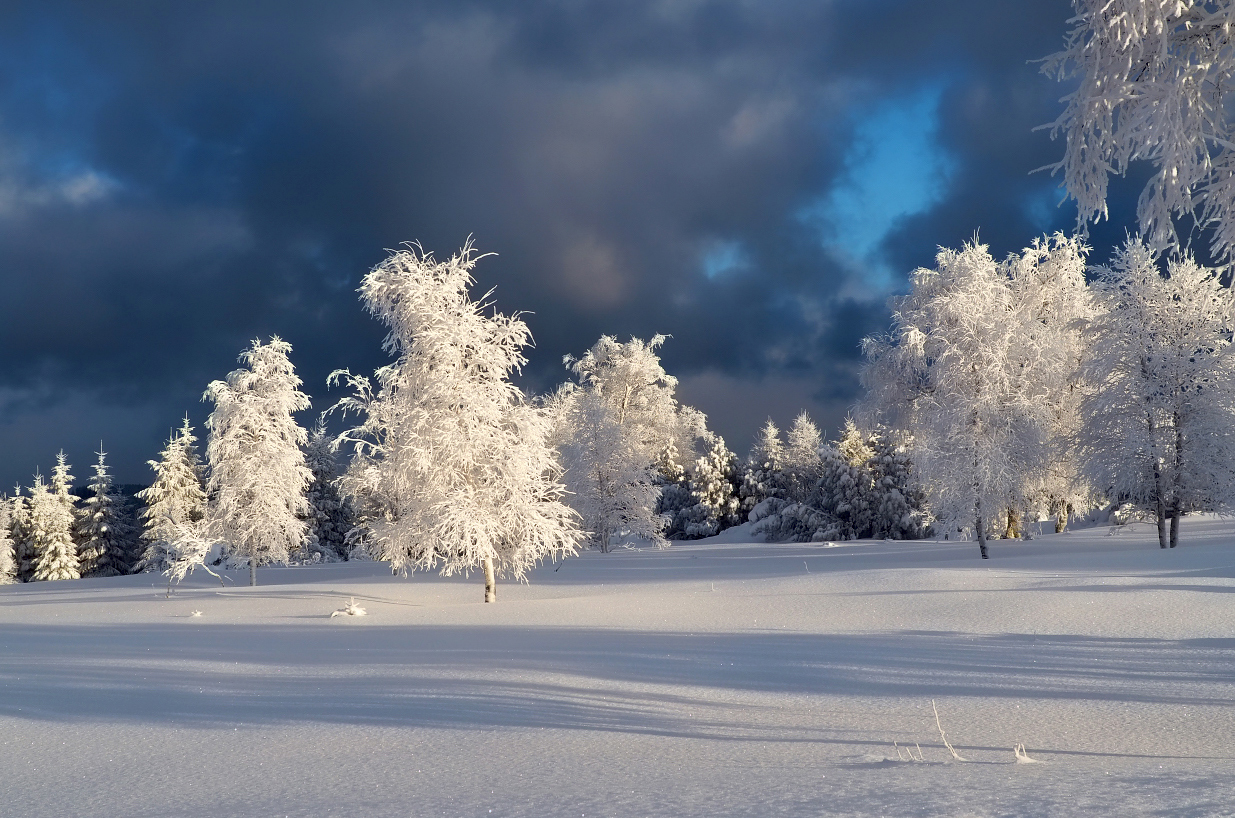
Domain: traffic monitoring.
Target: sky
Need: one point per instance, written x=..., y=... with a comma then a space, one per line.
x=754, y=179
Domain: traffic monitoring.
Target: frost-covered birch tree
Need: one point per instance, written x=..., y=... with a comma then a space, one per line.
x=1154, y=80
x=1157, y=429
x=175, y=498
x=952, y=374
x=1048, y=283
x=258, y=475
x=454, y=464
x=612, y=485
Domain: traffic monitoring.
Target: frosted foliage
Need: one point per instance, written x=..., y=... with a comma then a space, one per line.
x=51, y=523
x=102, y=534
x=715, y=484
x=1157, y=423
x=455, y=467
x=761, y=478
x=845, y=489
x=189, y=548
x=611, y=485
x=801, y=463
x=328, y=520
x=257, y=469
x=629, y=378
x=1048, y=283
x=19, y=530
x=8, y=558
x=896, y=497
x=1154, y=77
x=175, y=497
x=62, y=484
x=959, y=373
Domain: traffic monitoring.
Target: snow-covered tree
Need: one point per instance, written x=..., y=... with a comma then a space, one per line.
x=258, y=475
x=897, y=502
x=51, y=533
x=762, y=478
x=455, y=465
x=715, y=485
x=19, y=531
x=611, y=484
x=801, y=463
x=176, y=497
x=1048, y=283
x=330, y=516
x=1157, y=424
x=1154, y=82
x=957, y=374
x=62, y=487
x=8, y=558
x=845, y=484
x=103, y=536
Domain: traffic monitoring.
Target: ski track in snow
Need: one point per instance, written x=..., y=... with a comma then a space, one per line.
x=713, y=678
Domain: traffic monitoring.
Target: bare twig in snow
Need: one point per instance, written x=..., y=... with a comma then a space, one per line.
x=944, y=735
x=1022, y=757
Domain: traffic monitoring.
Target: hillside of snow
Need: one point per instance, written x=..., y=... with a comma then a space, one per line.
x=713, y=678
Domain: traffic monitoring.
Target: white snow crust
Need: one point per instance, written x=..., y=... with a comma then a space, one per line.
x=708, y=679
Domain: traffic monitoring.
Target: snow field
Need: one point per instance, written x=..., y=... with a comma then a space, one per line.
x=712, y=678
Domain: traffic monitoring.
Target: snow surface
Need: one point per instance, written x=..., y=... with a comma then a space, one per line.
x=708, y=679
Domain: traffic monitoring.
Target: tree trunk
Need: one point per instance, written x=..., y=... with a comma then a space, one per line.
x=1014, y=525
x=1178, y=499
x=490, y=581
x=1061, y=522
x=979, y=528
x=252, y=571
x=1175, y=515
x=1160, y=507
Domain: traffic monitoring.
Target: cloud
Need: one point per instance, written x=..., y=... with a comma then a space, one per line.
x=175, y=181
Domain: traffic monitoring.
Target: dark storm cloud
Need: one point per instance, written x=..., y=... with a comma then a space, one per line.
x=177, y=180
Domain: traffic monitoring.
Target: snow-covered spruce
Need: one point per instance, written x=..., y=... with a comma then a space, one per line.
x=452, y=462
x=258, y=475
x=1154, y=80
x=761, y=476
x=104, y=546
x=19, y=531
x=8, y=558
x=175, y=498
x=50, y=526
x=1156, y=429
x=330, y=515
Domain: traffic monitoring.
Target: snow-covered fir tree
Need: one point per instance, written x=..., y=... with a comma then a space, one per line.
x=51, y=534
x=19, y=532
x=1157, y=423
x=62, y=488
x=1154, y=82
x=330, y=516
x=258, y=475
x=958, y=373
x=611, y=484
x=762, y=478
x=176, y=497
x=801, y=464
x=104, y=541
x=845, y=484
x=8, y=558
x=715, y=489
x=454, y=463
x=898, y=507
